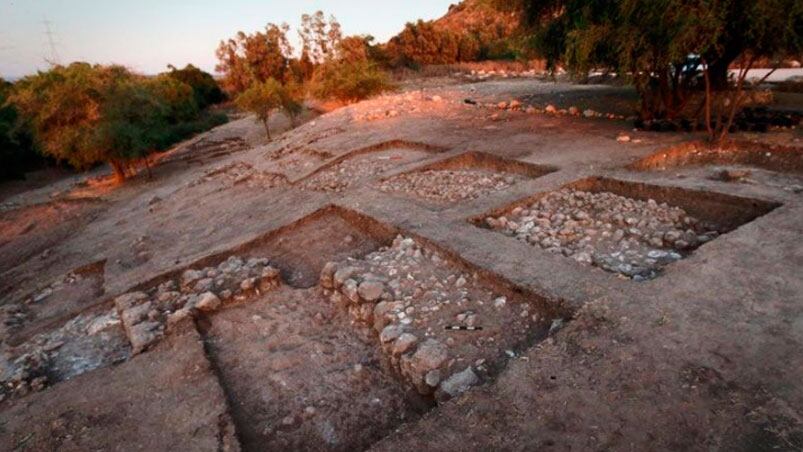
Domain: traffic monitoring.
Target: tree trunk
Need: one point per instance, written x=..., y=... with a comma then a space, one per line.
x=267, y=128
x=119, y=170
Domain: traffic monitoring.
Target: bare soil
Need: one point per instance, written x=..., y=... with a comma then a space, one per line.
x=169, y=399
x=298, y=376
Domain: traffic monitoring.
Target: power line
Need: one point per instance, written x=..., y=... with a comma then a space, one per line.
x=54, y=59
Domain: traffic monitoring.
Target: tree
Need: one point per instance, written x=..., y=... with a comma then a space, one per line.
x=85, y=114
x=292, y=96
x=666, y=47
x=421, y=43
x=319, y=38
x=17, y=152
x=204, y=87
x=248, y=59
x=133, y=122
x=63, y=106
x=261, y=99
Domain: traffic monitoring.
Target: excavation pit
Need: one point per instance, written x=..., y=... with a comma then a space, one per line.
x=365, y=164
x=443, y=325
x=463, y=177
x=632, y=229
x=298, y=376
x=779, y=159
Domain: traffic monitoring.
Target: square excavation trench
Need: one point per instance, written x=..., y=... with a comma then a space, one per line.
x=343, y=363
x=780, y=159
x=629, y=228
x=364, y=164
x=461, y=178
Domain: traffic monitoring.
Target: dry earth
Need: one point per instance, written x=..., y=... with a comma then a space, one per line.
x=414, y=272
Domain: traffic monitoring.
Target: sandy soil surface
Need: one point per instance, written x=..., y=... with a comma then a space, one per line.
x=703, y=355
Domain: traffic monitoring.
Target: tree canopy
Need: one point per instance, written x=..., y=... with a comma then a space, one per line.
x=85, y=114
x=247, y=59
x=663, y=45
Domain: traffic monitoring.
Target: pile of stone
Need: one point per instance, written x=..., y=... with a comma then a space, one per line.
x=631, y=237
x=448, y=185
x=481, y=75
x=237, y=173
x=410, y=297
x=147, y=315
x=549, y=109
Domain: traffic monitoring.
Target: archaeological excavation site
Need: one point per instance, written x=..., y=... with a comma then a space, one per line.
x=374, y=249
x=414, y=282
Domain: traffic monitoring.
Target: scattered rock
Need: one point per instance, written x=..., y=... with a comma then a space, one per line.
x=459, y=382
x=208, y=302
x=370, y=290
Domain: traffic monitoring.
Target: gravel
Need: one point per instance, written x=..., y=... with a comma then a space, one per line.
x=448, y=185
x=344, y=174
x=623, y=235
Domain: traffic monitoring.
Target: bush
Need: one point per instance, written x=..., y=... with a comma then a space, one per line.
x=349, y=81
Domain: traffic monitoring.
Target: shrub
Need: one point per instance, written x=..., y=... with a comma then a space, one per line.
x=349, y=81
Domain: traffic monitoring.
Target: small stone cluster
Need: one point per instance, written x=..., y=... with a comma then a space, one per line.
x=146, y=316
x=549, y=109
x=408, y=295
x=448, y=185
x=482, y=75
x=631, y=237
x=239, y=172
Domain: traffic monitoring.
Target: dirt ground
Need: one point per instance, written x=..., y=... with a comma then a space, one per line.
x=351, y=351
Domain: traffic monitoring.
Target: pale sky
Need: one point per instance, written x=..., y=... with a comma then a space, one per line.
x=146, y=35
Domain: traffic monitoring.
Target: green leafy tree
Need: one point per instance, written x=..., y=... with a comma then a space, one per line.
x=63, y=106
x=262, y=99
x=17, y=152
x=421, y=43
x=666, y=46
x=204, y=87
x=293, y=101
x=349, y=81
x=248, y=59
x=132, y=124
x=84, y=114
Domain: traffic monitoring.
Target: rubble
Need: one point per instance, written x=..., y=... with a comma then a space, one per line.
x=449, y=185
x=631, y=237
x=409, y=296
